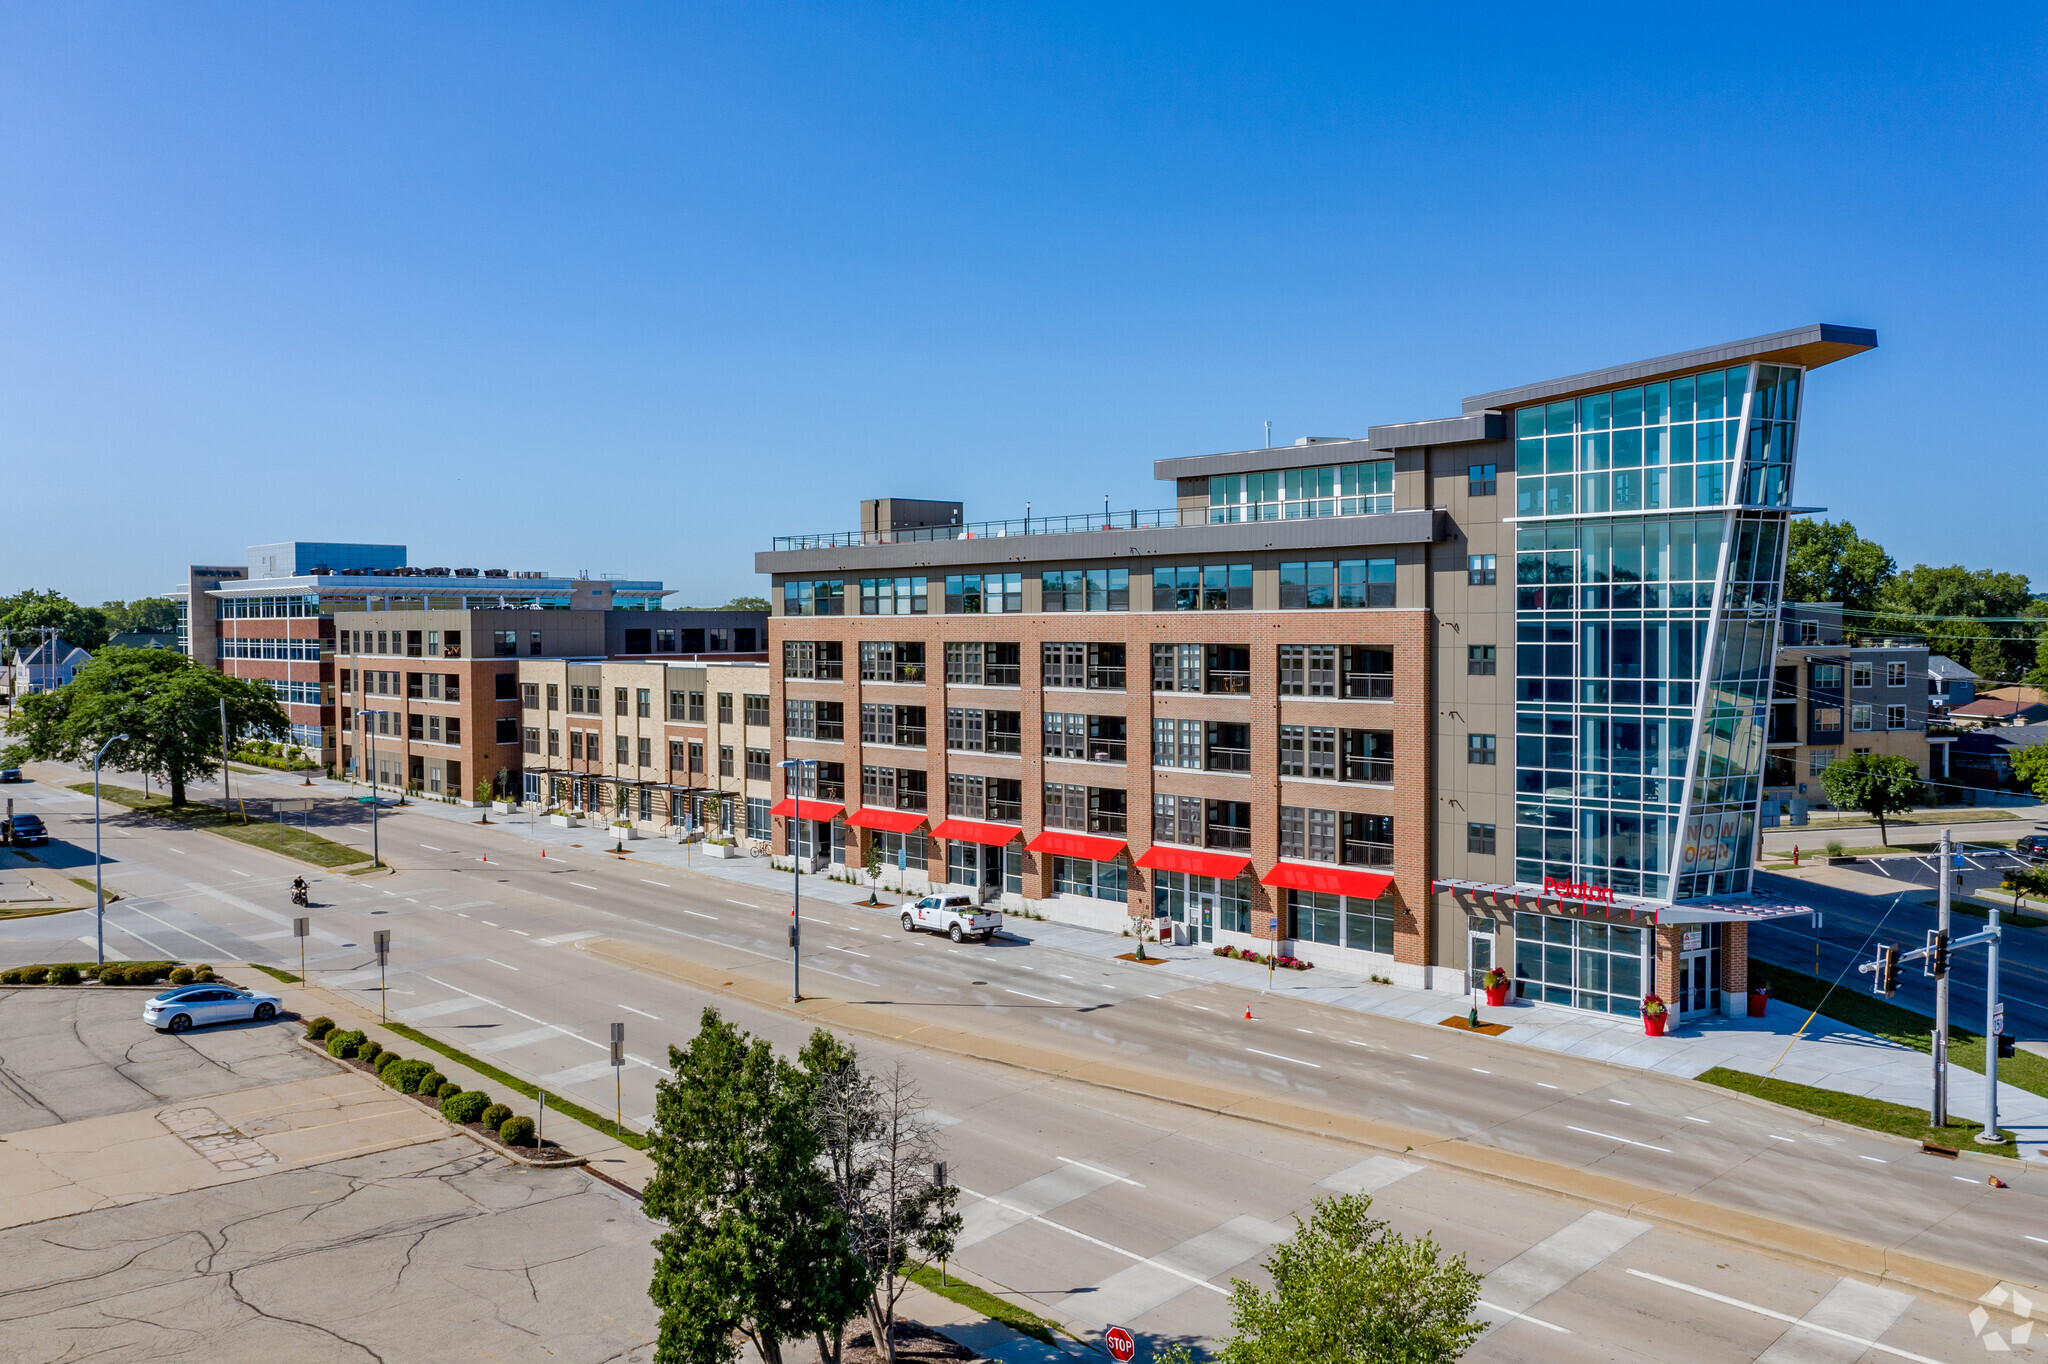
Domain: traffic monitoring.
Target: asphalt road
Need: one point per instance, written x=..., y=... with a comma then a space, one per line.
x=1101, y=1206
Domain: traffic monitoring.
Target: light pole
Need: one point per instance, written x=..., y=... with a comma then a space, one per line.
x=370, y=765
x=99, y=890
x=796, y=876
x=1994, y=1025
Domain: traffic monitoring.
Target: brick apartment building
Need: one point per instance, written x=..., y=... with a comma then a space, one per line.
x=1486, y=689
x=1834, y=697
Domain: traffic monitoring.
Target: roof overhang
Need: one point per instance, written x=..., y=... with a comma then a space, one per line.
x=1823, y=343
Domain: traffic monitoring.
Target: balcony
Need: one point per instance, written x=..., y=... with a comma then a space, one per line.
x=1105, y=679
x=1227, y=682
x=1107, y=822
x=1227, y=836
x=1106, y=750
x=1164, y=518
x=1368, y=686
x=1228, y=760
x=1001, y=675
x=1379, y=770
x=832, y=731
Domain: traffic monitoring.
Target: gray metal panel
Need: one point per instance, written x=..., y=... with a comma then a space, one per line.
x=1822, y=334
x=1258, y=461
x=1477, y=426
x=1419, y=526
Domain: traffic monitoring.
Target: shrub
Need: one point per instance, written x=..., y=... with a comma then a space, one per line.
x=494, y=1116
x=429, y=1083
x=11, y=976
x=405, y=1076
x=64, y=975
x=204, y=975
x=368, y=1052
x=343, y=1044
x=181, y=976
x=516, y=1131
x=34, y=975
x=319, y=1028
x=447, y=1089
x=466, y=1107
x=387, y=1059
x=91, y=970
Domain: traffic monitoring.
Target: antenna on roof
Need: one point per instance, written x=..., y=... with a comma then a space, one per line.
x=1269, y=435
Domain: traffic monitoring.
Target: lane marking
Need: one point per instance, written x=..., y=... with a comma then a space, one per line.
x=1608, y=1136
x=1305, y=1030
x=1781, y=1316
x=695, y=915
x=663, y=884
x=847, y=950
x=580, y=885
x=1114, y=1249
x=179, y=851
x=495, y=962
x=431, y=848
x=2042, y=1239
x=1624, y=1103
x=1690, y=1118
x=642, y=1012
x=1541, y=1085
x=486, y=921
x=1094, y=1170
x=1040, y=998
x=1879, y=1160
x=243, y=873
x=1278, y=1057
x=1418, y=1056
x=1523, y=1316
x=1477, y=1071
x=749, y=904
x=1204, y=1008
x=1775, y=1137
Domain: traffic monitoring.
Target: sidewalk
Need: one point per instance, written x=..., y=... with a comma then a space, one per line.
x=1828, y=1056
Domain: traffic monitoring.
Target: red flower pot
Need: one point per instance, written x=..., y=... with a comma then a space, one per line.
x=1496, y=996
x=1653, y=1024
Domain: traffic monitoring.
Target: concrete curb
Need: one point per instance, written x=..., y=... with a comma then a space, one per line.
x=1831, y=1250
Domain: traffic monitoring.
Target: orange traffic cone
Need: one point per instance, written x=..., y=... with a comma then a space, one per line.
x=1247, y=1013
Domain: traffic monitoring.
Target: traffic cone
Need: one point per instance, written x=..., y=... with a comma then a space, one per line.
x=1998, y=1183
x=1247, y=1013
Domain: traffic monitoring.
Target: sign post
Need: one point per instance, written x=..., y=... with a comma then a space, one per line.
x=1273, y=950
x=300, y=928
x=383, y=941
x=1120, y=1345
x=618, y=1084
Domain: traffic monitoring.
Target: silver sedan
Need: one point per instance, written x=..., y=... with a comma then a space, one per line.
x=191, y=1005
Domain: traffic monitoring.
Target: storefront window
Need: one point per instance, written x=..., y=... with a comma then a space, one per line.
x=1341, y=921
x=1579, y=963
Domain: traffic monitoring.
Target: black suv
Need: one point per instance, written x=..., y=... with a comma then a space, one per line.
x=27, y=831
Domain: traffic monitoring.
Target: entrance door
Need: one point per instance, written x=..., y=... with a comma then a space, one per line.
x=1202, y=921
x=1479, y=949
x=991, y=873
x=1695, y=982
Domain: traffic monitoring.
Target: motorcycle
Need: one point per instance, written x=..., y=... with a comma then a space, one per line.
x=299, y=896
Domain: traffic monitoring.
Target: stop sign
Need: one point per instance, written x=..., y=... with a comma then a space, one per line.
x=1121, y=1347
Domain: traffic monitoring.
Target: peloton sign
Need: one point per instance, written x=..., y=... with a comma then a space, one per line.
x=1578, y=890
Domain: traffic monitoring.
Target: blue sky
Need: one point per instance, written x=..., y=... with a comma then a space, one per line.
x=633, y=288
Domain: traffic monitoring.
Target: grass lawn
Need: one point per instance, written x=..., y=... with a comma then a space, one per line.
x=85, y=882
x=2006, y=917
x=988, y=1304
x=7, y=912
x=594, y=1121
x=1858, y=1009
x=285, y=976
x=257, y=833
x=1959, y=815
x=1875, y=1114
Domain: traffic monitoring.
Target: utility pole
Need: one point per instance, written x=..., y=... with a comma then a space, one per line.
x=1938, y=1109
x=99, y=889
x=1994, y=1028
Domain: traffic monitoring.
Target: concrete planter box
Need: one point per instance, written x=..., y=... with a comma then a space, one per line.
x=722, y=851
x=1843, y=861
x=625, y=832
x=503, y=807
x=566, y=821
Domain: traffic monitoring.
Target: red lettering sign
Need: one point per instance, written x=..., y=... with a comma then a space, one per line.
x=1578, y=890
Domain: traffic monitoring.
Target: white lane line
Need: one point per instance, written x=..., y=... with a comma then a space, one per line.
x=1418, y=1056
x=1040, y=998
x=2042, y=1239
x=1775, y=1137
x=1881, y=1161
x=431, y=848
x=1781, y=1316
x=695, y=915
x=179, y=851
x=521, y=932
x=214, y=948
x=645, y=882
x=460, y=915
x=642, y=1012
x=1608, y=1136
x=243, y=873
x=1204, y=1008
x=1690, y=1118
x=847, y=950
x=1278, y=1057
x=1094, y=1170
x=495, y=962
x=1541, y=1085
x=486, y=921
x=1114, y=1249
x=1477, y=1071
x=1623, y=1102
x=1305, y=1030
x=582, y=886
x=747, y=903
x=1523, y=1316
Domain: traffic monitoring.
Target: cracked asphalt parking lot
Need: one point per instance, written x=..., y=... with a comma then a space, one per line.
x=432, y=1251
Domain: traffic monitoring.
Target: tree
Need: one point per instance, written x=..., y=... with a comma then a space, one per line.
x=1829, y=561
x=168, y=706
x=144, y=613
x=2039, y=676
x=2030, y=765
x=871, y=863
x=1876, y=784
x=755, y=1244
x=1957, y=610
x=1347, y=1290
x=26, y=612
x=746, y=604
x=881, y=1150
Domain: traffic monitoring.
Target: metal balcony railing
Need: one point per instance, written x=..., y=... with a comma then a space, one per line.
x=1163, y=518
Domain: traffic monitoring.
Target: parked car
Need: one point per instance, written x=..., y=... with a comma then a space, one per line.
x=10, y=774
x=2032, y=847
x=197, y=1005
x=27, y=831
x=956, y=916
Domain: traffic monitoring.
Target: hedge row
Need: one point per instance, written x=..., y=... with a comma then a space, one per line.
x=458, y=1105
x=113, y=973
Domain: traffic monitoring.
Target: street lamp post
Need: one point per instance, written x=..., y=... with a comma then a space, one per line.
x=99, y=890
x=796, y=876
x=370, y=765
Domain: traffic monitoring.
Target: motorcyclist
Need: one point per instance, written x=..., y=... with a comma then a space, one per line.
x=298, y=890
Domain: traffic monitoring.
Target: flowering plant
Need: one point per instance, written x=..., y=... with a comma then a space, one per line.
x=1653, y=1007
x=1494, y=979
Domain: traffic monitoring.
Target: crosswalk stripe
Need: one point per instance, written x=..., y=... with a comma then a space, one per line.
x=1550, y=1264
x=1131, y=1293
x=527, y=1038
x=1369, y=1176
x=1835, y=1330
x=998, y=1213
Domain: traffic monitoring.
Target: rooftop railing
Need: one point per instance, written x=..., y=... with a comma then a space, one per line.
x=1163, y=518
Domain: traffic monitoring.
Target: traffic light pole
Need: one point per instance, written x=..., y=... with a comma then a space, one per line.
x=1993, y=1035
x=1938, y=1109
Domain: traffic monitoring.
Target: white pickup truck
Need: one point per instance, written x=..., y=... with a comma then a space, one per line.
x=956, y=916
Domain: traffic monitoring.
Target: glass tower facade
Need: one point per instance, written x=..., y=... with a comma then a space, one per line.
x=1650, y=539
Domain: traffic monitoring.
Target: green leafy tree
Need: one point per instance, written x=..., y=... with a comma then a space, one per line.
x=755, y=1244
x=746, y=604
x=871, y=863
x=1878, y=785
x=168, y=706
x=1829, y=561
x=1348, y=1290
x=26, y=612
x=1965, y=614
x=2030, y=765
x=144, y=613
x=2038, y=677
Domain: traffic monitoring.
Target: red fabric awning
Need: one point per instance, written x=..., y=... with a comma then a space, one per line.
x=813, y=808
x=1192, y=862
x=1094, y=847
x=891, y=821
x=970, y=831
x=1365, y=885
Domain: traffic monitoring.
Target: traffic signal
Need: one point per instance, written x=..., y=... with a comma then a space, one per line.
x=1940, y=954
x=1887, y=970
x=2005, y=1046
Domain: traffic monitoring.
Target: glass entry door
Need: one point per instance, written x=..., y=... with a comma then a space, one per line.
x=1202, y=919
x=1695, y=976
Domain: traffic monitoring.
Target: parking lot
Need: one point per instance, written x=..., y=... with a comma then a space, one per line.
x=228, y=1195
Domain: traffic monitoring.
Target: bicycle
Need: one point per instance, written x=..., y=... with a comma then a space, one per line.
x=757, y=847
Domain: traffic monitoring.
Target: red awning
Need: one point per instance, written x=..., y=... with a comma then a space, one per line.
x=969, y=831
x=813, y=808
x=1227, y=866
x=1094, y=847
x=1364, y=885
x=891, y=821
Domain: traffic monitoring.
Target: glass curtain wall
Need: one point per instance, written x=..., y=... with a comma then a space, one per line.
x=1646, y=600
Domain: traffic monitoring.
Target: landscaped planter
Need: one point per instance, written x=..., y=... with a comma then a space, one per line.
x=626, y=832
x=721, y=850
x=503, y=807
x=566, y=821
x=1497, y=997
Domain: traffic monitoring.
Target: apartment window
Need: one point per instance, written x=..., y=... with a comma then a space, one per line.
x=975, y=594
x=1827, y=676
x=1065, y=665
x=1066, y=735
x=1479, y=839
x=646, y=753
x=554, y=696
x=819, y=660
x=758, y=764
x=725, y=760
x=725, y=708
x=531, y=742
x=1809, y=632
x=1368, y=754
x=1827, y=718
x=799, y=719
x=1177, y=819
x=1308, y=751
x=678, y=755
x=965, y=795
x=1480, y=480
x=1308, y=834
x=1177, y=743
x=1859, y=674
x=1479, y=749
x=1479, y=660
x=1202, y=587
x=643, y=703
x=1345, y=583
x=1480, y=570
x=619, y=750
x=1859, y=717
x=1308, y=670
x=1894, y=717
x=678, y=705
x=696, y=758
x=576, y=744
x=1367, y=674
x=963, y=665
x=619, y=702
x=697, y=706
x=822, y=597
x=964, y=729
x=664, y=641
x=1895, y=675
x=554, y=743
x=504, y=643
x=1227, y=824
x=1819, y=760
x=1228, y=747
x=892, y=596
x=900, y=726
x=891, y=661
x=529, y=696
x=1085, y=589
x=1227, y=669
x=1367, y=840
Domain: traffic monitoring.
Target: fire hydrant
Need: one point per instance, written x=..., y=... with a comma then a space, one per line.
x=1795, y=854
